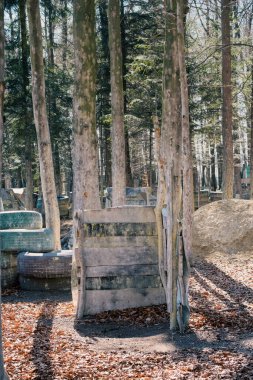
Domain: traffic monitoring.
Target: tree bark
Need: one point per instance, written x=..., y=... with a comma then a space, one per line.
x=41, y=122
x=3, y=374
x=129, y=177
x=27, y=118
x=117, y=101
x=64, y=36
x=188, y=193
x=188, y=200
x=85, y=155
x=105, y=90
x=1, y=87
x=227, y=134
x=251, y=135
x=172, y=151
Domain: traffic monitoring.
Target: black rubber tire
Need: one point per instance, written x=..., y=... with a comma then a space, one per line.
x=27, y=240
x=56, y=264
x=45, y=284
x=30, y=220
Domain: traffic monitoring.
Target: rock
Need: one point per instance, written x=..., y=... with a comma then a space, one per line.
x=223, y=226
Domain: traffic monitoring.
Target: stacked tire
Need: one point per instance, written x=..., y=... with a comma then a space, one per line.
x=19, y=231
x=45, y=271
x=27, y=254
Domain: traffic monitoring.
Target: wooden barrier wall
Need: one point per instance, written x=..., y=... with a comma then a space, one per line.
x=117, y=260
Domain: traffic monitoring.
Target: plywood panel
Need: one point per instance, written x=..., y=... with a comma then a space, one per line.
x=125, y=214
x=119, y=229
x=101, y=300
x=123, y=282
x=119, y=256
x=122, y=270
x=120, y=241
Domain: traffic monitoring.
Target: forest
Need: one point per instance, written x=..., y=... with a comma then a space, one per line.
x=126, y=189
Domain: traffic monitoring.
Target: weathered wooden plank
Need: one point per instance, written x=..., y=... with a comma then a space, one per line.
x=125, y=214
x=123, y=282
x=97, y=301
x=119, y=229
x=122, y=270
x=120, y=241
x=120, y=256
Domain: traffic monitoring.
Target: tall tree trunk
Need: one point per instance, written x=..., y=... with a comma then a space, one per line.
x=105, y=94
x=251, y=136
x=1, y=87
x=188, y=193
x=27, y=118
x=117, y=101
x=85, y=155
x=129, y=179
x=3, y=374
x=172, y=150
x=41, y=121
x=227, y=135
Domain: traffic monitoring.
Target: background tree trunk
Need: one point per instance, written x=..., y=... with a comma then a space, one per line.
x=41, y=121
x=227, y=133
x=129, y=179
x=251, y=136
x=27, y=117
x=117, y=101
x=1, y=87
x=3, y=374
x=85, y=155
x=105, y=89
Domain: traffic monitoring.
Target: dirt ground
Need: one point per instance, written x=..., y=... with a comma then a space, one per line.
x=42, y=340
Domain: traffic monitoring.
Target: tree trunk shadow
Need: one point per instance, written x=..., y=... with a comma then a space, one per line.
x=41, y=343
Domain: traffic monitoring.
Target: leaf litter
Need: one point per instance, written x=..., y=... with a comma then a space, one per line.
x=42, y=341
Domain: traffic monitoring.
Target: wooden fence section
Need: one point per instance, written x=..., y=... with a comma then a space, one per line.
x=117, y=260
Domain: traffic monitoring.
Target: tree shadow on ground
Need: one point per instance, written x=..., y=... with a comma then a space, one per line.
x=223, y=290
x=40, y=352
x=233, y=317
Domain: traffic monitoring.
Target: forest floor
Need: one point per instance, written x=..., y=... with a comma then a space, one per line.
x=43, y=341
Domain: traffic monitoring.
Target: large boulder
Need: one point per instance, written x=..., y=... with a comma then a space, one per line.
x=223, y=226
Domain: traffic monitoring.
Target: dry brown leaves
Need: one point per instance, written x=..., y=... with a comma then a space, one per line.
x=221, y=298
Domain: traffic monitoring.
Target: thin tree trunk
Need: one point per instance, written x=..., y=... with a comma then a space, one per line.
x=161, y=199
x=172, y=147
x=1, y=87
x=188, y=193
x=27, y=118
x=251, y=136
x=227, y=135
x=129, y=179
x=117, y=101
x=41, y=122
x=3, y=374
x=106, y=90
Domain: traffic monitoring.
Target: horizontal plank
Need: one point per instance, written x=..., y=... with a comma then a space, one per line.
x=122, y=270
x=119, y=256
x=120, y=241
x=123, y=282
x=125, y=214
x=119, y=229
x=97, y=301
